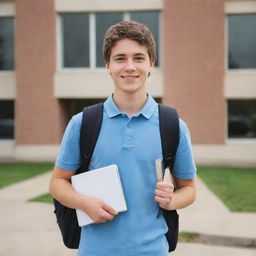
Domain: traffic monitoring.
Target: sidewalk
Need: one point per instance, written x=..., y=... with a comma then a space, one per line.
x=29, y=228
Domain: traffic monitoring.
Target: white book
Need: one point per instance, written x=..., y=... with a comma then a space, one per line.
x=104, y=183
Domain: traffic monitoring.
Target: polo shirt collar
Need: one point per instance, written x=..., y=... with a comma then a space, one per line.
x=147, y=111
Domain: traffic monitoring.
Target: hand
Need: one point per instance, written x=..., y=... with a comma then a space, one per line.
x=98, y=210
x=164, y=194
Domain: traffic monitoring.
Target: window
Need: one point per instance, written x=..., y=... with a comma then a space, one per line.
x=242, y=41
x=242, y=118
x=6, y=119
x=6, y=43
x=75, y=40
x=77, y=105
x=83, y=33
x=103, y=22
x=151, y=20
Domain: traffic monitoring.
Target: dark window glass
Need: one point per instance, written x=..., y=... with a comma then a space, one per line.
x=76, y=40
x=6, y=119
x=77, y=105
x=6, y=44
x=242, y=118
x=242, y=41
x=151, y=20
x=75, y=35
x=103, y=22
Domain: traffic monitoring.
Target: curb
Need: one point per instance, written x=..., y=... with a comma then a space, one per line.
x=219, y=240
x=227, y=240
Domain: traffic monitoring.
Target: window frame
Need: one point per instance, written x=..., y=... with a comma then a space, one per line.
x=7, y=77
x=233, y=77
x=12, y=101
x=237, y=8
x=14, y=68
x=92, y=43
x=235, y=70
x=243, y=102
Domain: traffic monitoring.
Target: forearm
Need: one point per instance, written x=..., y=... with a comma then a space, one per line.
x=63, y=191
x=98, y=210
x=182, y=198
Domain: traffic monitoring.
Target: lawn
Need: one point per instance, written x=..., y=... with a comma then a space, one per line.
x=15, y=172
x=234, y=186
x=45, y=198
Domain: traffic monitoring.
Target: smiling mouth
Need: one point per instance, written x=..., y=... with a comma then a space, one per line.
x=130, y=77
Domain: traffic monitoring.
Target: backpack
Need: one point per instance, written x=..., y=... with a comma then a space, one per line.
x=90, y=129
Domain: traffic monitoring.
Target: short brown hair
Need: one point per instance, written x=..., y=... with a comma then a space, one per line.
x=131, y=30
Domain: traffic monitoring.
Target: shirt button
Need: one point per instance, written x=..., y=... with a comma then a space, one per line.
x=129, y=137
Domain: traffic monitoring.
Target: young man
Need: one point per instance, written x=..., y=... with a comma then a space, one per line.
x=130, y=138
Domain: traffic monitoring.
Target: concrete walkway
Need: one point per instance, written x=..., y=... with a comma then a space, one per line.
x=29, y=228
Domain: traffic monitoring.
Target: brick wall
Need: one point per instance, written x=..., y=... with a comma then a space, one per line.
x=38, y=113
x=193, y=33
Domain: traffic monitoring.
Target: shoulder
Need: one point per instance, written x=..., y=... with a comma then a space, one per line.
x=183, y=126
x=184, y=136
x=76, y=121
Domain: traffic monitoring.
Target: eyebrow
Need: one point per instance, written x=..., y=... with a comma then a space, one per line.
x=122, y=54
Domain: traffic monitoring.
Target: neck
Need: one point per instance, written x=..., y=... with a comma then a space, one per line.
x=130, y=103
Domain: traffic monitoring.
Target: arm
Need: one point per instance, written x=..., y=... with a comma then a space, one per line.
x=185, y=169
x=184, y=195
x=62, y=190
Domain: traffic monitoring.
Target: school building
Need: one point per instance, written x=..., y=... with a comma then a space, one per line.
x=51, y=66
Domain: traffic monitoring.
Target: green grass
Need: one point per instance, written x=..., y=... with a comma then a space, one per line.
x=234, y=186
x=14, y=172
x=188, y=237
x=45, y=198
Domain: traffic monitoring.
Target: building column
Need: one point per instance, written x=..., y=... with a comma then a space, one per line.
x=38, y=114
x=194, y=66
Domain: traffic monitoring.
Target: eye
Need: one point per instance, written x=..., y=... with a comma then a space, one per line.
x=139, y=58
x=119, y=59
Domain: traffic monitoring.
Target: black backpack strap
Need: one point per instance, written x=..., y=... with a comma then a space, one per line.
x=90, y=129
x=169, y=130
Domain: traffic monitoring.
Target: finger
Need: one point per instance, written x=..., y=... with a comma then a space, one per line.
x=163, y=194
x=109, y=209
x=164, y=186
x=108, y=216
x=162, y=201
x=103, y=217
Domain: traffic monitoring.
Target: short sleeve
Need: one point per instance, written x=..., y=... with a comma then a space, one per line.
x=68, y=157
x=184, y=165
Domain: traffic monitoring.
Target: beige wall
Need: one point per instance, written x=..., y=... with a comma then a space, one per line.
x=7, y=85
x=194, y=66
x=37, y=111
x=240, y=85
x=96, y=84
x=192, y=78
x=7, y=8
x=106, y=5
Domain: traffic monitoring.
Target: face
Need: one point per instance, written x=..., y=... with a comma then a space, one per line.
x=129, y=66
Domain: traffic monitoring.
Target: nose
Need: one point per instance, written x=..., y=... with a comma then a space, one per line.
x=129, y=65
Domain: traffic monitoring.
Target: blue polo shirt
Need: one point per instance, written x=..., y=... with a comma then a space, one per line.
x=133, y=144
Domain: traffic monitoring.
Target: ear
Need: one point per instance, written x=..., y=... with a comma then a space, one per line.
x=107, y=67
x=152, y=65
